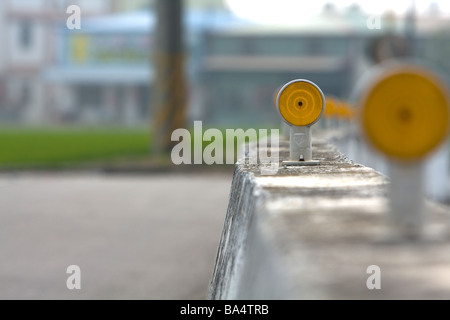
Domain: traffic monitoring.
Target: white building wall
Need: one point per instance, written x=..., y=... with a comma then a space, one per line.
x=21, y=65
x=2, y=37
x=31, y=55
x=25, y=5
x=34, y=112
x=38, y=5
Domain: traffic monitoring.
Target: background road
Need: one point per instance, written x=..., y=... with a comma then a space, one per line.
x=134, y=237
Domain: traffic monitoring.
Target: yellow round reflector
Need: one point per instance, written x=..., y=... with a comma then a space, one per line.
x=405, y=112
x=330, y=107
x=300, y=102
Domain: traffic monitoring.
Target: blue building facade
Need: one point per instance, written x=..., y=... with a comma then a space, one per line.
x=104, y=72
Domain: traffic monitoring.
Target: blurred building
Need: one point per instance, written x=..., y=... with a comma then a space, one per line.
x=255, y=62
x=103, y=73
x=244, y=66
x=129, y=5
x=30, y=46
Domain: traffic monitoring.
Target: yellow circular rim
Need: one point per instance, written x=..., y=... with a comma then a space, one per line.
x=405, y=113
x=300, y=102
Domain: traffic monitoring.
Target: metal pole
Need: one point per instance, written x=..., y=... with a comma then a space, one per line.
x=300, y=146
x=169, y=93
x=406, y=198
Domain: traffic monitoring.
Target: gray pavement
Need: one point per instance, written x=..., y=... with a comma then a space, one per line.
x=134, y=237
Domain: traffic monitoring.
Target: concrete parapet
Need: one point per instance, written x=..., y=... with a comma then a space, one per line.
x=312, y=232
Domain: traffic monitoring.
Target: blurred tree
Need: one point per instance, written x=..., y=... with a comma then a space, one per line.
x=169, y=97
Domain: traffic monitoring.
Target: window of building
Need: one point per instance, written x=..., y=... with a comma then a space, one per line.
x=26, y=34
x=226, y=45
x=89, y=96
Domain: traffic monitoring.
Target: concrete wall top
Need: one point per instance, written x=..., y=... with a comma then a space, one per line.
x=312, y=233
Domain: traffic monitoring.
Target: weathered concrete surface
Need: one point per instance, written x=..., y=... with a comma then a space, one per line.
x=311, y=233
x=133, y=236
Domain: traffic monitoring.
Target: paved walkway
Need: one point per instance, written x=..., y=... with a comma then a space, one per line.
x=134, y=237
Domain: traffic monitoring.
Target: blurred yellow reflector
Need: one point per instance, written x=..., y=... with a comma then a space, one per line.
x=405, y=113
x=300, y=103
x=330, y=107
